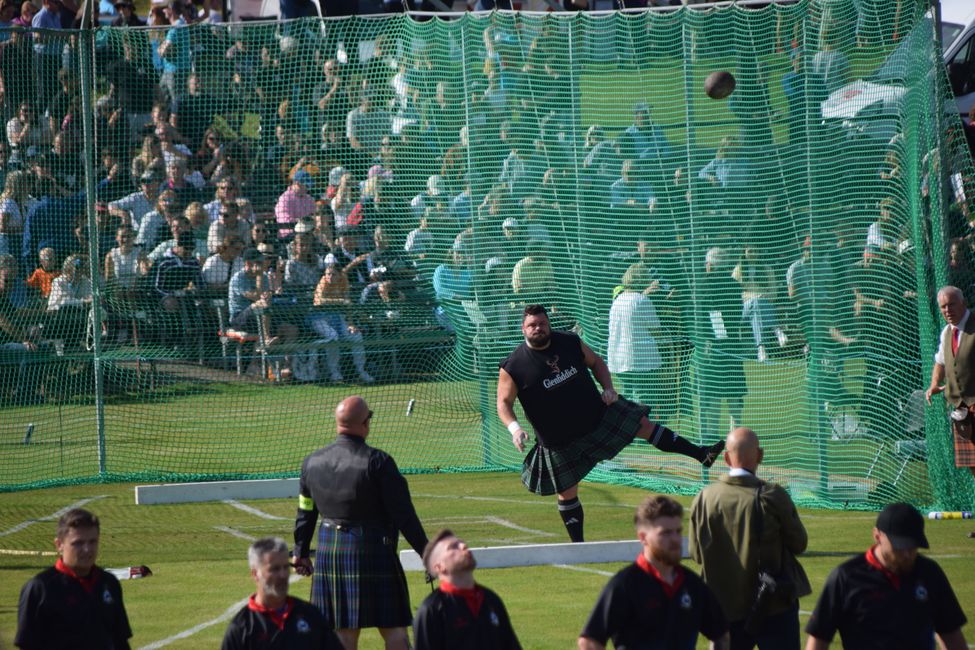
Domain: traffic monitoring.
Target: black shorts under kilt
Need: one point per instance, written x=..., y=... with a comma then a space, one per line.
x=550, y=471
x=358, y=579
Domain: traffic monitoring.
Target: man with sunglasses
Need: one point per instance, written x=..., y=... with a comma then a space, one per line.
x=364, y=503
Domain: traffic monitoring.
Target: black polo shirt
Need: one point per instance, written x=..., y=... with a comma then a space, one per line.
x=299, y=626
x=872, y=608
x=59, y=610
x=463, y=619
x=639, y=611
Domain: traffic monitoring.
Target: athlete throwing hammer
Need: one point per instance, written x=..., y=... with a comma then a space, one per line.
x=575, y=426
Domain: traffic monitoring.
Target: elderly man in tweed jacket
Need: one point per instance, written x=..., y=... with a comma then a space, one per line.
x=728, y=536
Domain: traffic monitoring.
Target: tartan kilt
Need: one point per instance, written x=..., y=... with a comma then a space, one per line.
x=547, y=471
x=358, y=580
x=964, y=451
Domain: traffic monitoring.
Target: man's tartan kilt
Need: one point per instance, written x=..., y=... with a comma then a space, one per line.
x=550, y=471
x=358, y=579
x=964, y=451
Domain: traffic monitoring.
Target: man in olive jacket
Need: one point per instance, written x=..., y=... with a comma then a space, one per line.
x=727, y=539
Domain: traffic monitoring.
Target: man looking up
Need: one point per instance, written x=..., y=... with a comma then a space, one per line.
x=461, y=614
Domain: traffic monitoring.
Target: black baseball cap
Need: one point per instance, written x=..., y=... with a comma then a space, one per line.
x=253, y=255
x=903, y=525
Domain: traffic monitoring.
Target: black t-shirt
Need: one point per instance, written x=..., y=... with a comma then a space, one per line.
x=56, y=611
x=304, y=628
x=556, y=390
x=445, y=622
x=637, y=613
x=862, y=603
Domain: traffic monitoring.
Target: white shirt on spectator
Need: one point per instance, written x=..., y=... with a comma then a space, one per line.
x=217, y=272
x=136, y=204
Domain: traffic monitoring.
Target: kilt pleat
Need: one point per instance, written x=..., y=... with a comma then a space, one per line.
x=358, y=580
x=547, y=471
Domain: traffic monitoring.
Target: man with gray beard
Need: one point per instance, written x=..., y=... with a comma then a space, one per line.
x=575, y=425
x=271, y=618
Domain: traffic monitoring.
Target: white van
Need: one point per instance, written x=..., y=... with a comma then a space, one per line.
x=869, y=106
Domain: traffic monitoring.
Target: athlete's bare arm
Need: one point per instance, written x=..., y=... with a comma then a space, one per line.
x=507, y=393
x=601, y=372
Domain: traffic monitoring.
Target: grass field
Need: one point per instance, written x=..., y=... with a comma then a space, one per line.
x=198, y=552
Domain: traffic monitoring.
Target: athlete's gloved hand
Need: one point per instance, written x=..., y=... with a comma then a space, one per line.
x=609, y=396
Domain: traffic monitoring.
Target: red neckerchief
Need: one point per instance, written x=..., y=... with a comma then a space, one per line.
x=277, y=616
x=87, y=583
x=669, y=589
x=474, y=597
x=875, y=563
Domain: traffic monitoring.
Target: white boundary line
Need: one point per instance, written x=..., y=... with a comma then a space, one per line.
x=51, y=517
x=235, y=533
x=257, y=512
x=228, y=614
x=585, y=569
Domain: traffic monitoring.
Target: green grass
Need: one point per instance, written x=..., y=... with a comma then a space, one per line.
x=199, y=571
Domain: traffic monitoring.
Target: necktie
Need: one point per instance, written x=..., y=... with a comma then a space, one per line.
x=955, y=340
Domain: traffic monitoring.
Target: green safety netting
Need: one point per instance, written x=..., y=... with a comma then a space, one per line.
x=401, y=187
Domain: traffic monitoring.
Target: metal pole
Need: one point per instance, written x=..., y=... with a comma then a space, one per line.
x=86, y=50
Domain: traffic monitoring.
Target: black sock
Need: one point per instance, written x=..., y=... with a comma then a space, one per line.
x=571, y=512
x=666, y=440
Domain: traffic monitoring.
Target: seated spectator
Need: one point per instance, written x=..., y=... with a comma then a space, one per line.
x=345, y=203
x=199, y=220
x=126, y=16
x=149, y=161
x=177, y=226
x=43, y=276
x=295, y=203
x=535, y=231
x=453, y=280
x=69, y=298
x=125, y=266
x=727, y=171
x=227, y=191
x=229, y=223
x=433, y=194
x=177, y=278
x=172, y=144
x=328, y=321
x=335, y=175
x=222, y=265
x=419, y=242
x=629, y=192
x=188, y=185
x=533, y=280
x=14, y=336
x=133, y=207
x=643, y=140
x=15, y=203
x=26, y=130
x=304, y=268
x=249, y=302
x=153, y=225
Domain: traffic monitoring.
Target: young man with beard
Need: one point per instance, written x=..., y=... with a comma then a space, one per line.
x=655, y=602
x=74, y=604
x=890, y=597
x=461, y=614
x=575, y=425
x=272, y=618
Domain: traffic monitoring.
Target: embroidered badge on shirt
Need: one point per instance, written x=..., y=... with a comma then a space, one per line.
x=302, y=626
x=921, y=594
x=685, y=601
x=107, y=597
x=494, y=620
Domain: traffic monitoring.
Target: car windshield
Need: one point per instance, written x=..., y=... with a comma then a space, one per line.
x=895, y=68
x=949, y=32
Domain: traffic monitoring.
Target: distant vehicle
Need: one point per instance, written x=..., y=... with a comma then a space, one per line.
x=869, y=107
